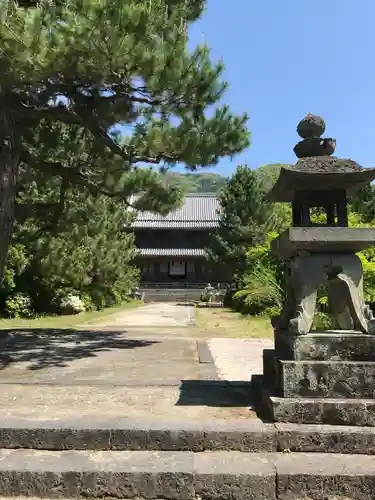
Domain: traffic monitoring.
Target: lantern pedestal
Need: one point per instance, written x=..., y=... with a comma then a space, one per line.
x=319, y=378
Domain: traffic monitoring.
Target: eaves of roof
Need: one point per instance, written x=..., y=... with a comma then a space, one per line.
x=172, y=252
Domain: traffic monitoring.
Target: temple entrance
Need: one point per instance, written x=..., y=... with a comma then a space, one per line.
x=177, y=269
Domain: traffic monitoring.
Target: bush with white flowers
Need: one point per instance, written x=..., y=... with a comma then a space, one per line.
x=19, y=305
x=72, y=304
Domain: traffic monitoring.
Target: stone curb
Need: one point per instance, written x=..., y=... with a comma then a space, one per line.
x=185, y=475
x=211, y=383
x=207, y=367
x=204, y=352
x=134, y=434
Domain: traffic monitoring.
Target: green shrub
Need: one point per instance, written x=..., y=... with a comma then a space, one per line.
x=19, y=305
x=87, y=300
x=17, y=260
x=262, y=288
x=118, y=297
x=113, y=297
x=323, y=321
x=98, y=298
x=271, y=312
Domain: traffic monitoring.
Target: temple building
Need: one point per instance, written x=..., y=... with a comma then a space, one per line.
x=172, y=248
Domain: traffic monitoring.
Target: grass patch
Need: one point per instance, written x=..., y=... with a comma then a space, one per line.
x=68, y=321
x=223, y=322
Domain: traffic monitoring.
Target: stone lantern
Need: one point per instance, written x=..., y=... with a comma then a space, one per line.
x=321, y=376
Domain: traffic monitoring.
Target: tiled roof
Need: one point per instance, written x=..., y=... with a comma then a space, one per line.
x=172, y=252
x=198, y=211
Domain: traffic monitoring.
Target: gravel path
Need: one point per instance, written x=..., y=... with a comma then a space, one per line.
x=238, y=359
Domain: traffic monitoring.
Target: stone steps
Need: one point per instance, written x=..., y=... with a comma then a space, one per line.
x=185, y=475
x=184, y=460
x=170, y=295
x=124, y=434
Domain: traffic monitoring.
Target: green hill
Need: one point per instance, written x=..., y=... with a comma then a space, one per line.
x=269, y=174
x=197, y=183
x=212, y=183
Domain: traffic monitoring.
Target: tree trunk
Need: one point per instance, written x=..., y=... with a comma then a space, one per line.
x=9, y=166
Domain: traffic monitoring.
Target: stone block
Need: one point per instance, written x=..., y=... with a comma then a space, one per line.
x=318, y=438
x=321, y=476
x=225, y=476
x=334, y=345
x=124, y=474
x=353, y=412
x=327, y=379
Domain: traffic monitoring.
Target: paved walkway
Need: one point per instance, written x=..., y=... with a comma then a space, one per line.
x=238, y=359
x=157, y=315
x=126, y=369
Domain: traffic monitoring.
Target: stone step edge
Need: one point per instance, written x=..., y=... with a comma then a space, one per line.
x=184, y=475
x=87, y=433
x=325, y=362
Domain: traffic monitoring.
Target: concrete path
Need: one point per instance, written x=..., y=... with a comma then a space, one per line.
x=157, y=315
x=238, y=359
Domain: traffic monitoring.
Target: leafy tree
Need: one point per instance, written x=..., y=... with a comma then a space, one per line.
x=268, y=175
x=73, y=71
x=246, y=218
x=363, y=203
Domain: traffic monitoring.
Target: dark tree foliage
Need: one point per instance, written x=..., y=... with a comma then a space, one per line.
x=87, y=253
x=245, y=220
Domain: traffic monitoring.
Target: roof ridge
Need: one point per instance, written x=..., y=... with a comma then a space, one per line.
x=200, y=195
x=168, y=221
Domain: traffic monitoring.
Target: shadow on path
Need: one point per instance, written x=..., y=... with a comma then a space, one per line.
x=45, y=348
x=215, y=393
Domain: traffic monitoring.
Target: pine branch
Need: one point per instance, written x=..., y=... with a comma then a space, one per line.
x=70, y=176
x=55, y=113
x=52, y=168
x=25, y=210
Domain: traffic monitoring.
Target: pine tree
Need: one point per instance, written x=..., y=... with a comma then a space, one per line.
x=73, y=71
x=245, y=219
x=88, y=252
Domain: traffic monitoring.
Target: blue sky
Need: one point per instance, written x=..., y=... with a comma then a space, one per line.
x=287, y=58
